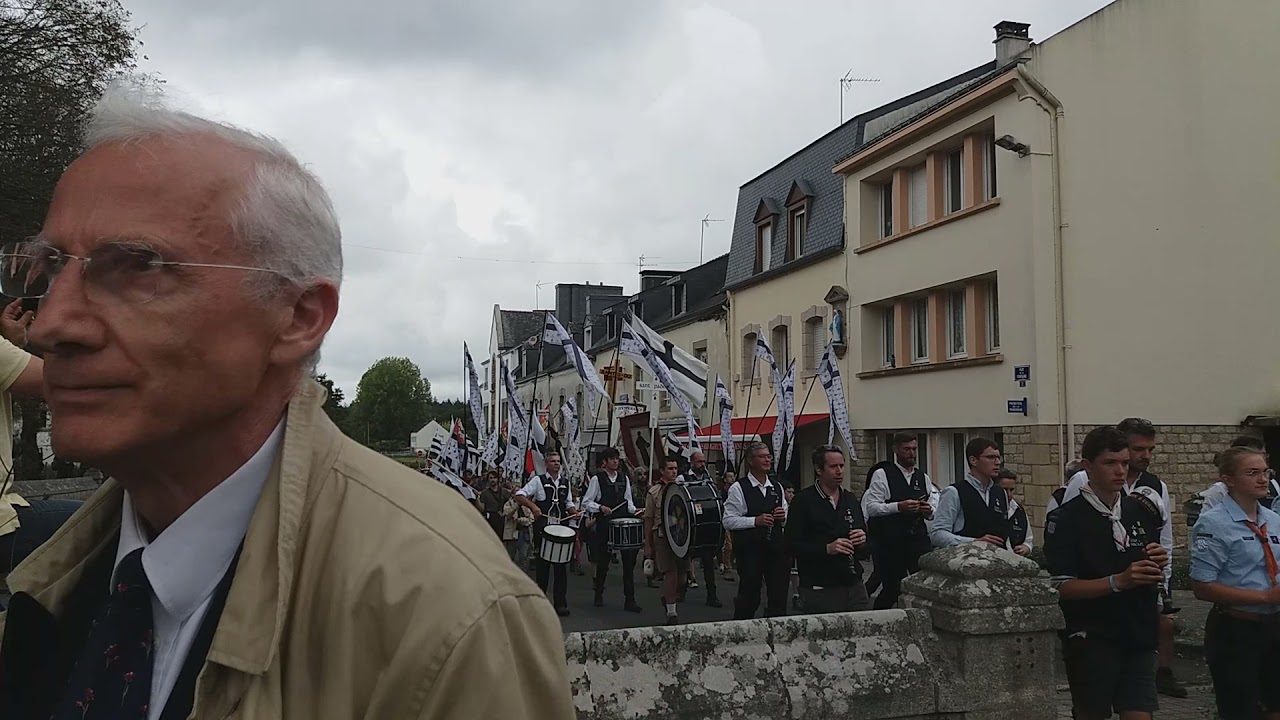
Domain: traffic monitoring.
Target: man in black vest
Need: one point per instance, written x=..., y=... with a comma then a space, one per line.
x=609, y=497
x=1019, y=527
x=754, y=513
x=899, y=499
x=550, y=498
x=974, y=508
x=826, y=534
x=709, y=557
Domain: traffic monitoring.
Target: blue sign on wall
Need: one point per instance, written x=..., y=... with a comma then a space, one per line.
x=1018, y=407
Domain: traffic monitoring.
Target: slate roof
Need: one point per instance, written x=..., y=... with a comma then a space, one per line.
x=704, y=296
x=518, y=326
x=812, y=164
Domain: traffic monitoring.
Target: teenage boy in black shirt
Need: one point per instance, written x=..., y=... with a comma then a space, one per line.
x=1104, y=554
x=825, y=533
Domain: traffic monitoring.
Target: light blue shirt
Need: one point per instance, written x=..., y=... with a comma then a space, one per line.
x=948, y=519
x=1224, y=550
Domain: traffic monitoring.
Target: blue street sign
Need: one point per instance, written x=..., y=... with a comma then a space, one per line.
x=1021, y=373
x=1018, y=407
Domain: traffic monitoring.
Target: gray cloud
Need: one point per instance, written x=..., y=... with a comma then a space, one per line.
x=590, y=131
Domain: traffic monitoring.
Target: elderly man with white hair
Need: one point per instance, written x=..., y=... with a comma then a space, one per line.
x=245, y=559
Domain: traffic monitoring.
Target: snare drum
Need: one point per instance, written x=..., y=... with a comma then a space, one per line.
x=691, y=516
x=626, y=534
x=557, y=544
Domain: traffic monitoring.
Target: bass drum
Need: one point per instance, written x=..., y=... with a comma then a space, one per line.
x=691, y=517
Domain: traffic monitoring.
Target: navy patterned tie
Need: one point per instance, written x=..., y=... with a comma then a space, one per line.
x=112, y=678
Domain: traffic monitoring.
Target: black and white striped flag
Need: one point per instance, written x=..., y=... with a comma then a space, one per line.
x=725, y=401
x=829, y=376
x=473, y=395
x=554, y=332
x=688, y=373
x=631, y=345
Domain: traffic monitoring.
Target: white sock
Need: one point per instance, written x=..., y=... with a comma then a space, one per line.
x=671, y=608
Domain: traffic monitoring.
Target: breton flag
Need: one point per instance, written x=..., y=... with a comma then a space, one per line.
x=725, y=402
x=784, y=430
x=473, y=395
x=554, y=332
x=517, y=429
x=673, y=446
x=688, y=373
x=829, y=376
x=575, y=466
x=631, y=345
x=763, y=352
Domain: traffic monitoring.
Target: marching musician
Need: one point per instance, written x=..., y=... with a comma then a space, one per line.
x=550, y=498
x=1233, y=566
x=1102, y=551
x=656, y=545
x=827, y=534
x=754, y=507
x=609, y=497
x=974, y=509
x=1019, y=527
x=708, y=556
x=900, y=498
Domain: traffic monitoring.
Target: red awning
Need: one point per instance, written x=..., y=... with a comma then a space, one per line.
x=747, y=429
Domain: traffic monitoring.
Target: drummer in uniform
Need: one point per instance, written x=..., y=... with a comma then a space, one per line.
x=657, y=546
x=609, y=497
x=707, y=556
x=550, y=498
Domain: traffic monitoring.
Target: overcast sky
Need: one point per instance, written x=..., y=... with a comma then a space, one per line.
x=579, y=133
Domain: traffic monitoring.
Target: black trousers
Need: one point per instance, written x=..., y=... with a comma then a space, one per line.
x=601, y=559
x=710, y=561
x=546, y=572
x=894, y=564
x=1242, y=655
x=761, y=564
x=834, y=599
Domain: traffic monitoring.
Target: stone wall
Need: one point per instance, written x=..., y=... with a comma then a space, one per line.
x=975, y=639
x=1184, y=460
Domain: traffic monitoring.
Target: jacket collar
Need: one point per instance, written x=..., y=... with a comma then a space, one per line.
x=254, y=617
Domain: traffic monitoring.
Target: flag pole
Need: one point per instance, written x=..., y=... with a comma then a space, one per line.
x=533, y=396
x=750, y=385
x=812, y=382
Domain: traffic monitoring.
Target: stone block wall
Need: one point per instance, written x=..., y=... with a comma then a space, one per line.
x=1183, y=459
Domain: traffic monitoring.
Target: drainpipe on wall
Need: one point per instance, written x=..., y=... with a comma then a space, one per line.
x=1053, y=108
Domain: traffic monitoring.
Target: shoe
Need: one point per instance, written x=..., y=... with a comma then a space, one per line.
x=673, y=620
x=1167, y=684
x=796, y=603
x=562, y=611
x=693, y=583
x=713, y=601
x=599, y=600
x=631, y=606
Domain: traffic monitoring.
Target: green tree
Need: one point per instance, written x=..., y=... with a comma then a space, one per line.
x=393, y=401
x=334, y=405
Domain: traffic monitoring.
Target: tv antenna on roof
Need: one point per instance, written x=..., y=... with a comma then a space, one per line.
x=846, y=83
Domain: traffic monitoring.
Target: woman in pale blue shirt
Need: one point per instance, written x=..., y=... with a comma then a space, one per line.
x=1234, y=566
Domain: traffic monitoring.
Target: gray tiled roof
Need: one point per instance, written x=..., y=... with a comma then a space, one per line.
x=704, y=290
x=813, y=165
x=518, y=326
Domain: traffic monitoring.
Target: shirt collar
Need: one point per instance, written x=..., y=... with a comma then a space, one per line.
x=1236, y=513
x=757, y=483
x=187, y=561
x=906, y=472
x=974, y=481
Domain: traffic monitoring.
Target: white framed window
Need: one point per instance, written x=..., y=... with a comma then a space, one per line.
x=958, y=440
x=677, y=299
x=815, y=342
x=953, y=181
x=920, y=330
x=888, y=337
x=799, y=224
x=886, y=209
x=993, y=316
x=987, y=145
x=918, y=194
x=956, y=323
x=610, y=326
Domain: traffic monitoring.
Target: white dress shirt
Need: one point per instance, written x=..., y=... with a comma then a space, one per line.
x=537, y=493
x=185, y=563
x=1078, y=481
x=1013, y=507
x=591, y=499
x=735, y=506
x=948, y=520
x=875, y=501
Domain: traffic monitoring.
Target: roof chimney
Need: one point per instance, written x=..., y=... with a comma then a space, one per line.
x=1013, y=40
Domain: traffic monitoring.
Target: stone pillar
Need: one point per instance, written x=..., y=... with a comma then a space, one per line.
x=996, y=618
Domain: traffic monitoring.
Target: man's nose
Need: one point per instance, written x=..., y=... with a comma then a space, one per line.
x=64, y=316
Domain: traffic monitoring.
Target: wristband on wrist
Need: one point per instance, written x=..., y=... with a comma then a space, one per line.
x=1111, y=580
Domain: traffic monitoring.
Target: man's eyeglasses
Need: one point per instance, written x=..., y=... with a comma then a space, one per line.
x=114, y=272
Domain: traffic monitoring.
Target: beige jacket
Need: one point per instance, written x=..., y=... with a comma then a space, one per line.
x=364, y=590
x=515, y=518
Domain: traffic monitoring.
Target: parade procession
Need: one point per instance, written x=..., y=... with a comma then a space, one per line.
x=356, y=363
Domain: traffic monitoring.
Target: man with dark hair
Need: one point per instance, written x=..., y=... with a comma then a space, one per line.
x=753, y=513
x=825, y=533
x=974, y=508
x=550, y=498
x=709, y=557
x=608, y=498
x=1141, y=434
x=899, y=500
x=1019, y=527
x=1102, y=553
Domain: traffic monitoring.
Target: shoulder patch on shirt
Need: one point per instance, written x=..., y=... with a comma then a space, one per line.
x=1202, y=543
x=1050, y=527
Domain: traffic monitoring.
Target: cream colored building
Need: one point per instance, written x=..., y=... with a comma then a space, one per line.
x=1098, y=209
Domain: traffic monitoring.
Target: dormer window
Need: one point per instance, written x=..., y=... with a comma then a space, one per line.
x=610, y=325
x=766, y=216
x=798, y=201
x=678, y=299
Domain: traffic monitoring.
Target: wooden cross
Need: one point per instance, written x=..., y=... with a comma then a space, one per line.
x=613, y=373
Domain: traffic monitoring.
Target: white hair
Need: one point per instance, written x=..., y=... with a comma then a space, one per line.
x=284, y=217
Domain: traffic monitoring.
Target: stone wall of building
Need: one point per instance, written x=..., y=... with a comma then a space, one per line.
x=864, y=447
x=1184, y=460
x=975, y=640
